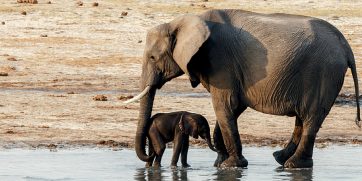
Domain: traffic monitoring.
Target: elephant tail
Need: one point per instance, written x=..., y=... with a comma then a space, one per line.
x=352, y=66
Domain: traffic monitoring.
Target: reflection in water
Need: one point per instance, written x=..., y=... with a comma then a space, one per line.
x=179, y=173
x=295, y=174
x=229, y=174
x=143, y=174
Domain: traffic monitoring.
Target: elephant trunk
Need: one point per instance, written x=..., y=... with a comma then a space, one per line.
x=208, y=141
x=144, y=123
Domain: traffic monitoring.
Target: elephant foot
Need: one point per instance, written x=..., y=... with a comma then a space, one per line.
x=233, y=161
x=294, y=162
x=281, y=157
x=156, y=165
x=220, y=158
x=186, y=165
x=148, y=165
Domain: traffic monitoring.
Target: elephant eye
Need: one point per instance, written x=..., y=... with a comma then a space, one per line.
x=152, y=58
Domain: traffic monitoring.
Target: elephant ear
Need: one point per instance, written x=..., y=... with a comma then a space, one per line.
x=181, y=125
x=190, y=32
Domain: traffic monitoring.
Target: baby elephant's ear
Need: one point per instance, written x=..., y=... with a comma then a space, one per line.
x=194, y=127
x=181, y=125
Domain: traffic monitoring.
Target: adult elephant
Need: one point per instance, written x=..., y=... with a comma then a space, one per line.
x=274, y=63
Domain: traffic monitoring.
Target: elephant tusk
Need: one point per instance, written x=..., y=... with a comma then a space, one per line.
x=139, y=96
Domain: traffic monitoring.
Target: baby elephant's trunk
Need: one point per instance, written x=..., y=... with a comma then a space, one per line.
x=208, y=140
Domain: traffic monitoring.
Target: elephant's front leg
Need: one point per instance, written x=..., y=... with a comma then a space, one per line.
x=283, y=155
x=184, y=150
x=222, y=155
x=227, y=114
x=178, y=140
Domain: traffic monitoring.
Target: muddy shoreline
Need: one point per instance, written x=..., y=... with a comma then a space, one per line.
x=247, y=141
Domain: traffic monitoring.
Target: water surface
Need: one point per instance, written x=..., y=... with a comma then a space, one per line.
x=331, y=163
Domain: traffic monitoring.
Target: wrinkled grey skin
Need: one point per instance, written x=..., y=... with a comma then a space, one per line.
x=176, y=127
x=273, y=63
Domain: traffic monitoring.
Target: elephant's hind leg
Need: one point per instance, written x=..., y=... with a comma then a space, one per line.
x=222, y=155
x=150, y=152
x=158, y=145
x=302, y=158
x=283, y=155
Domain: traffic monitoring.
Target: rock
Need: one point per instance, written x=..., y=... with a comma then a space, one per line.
x=95, y=4
x=28, y=1
x=49, y=2
x=139, y=41
x=4, y=74
x=43, y=35
x=71, y=92
x=100, y=98
x=123, y=98
x=124, y=13
x=10, y=132
x=335, y=17
x=12, y=59
x=44, y=126
x=3, y=23
x=80, y=3
x=112, y=143
x=23, y=13
x=52, y=146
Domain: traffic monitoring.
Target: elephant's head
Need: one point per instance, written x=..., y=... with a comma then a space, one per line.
x=169, y=49
x=196, y=125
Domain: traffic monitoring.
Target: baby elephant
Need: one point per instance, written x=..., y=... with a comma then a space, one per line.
x=175, y=126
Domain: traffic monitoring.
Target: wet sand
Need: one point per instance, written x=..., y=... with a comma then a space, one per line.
x=59, y=56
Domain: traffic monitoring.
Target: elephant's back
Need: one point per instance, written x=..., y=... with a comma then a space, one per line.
x=283, y=56
x=247, y=19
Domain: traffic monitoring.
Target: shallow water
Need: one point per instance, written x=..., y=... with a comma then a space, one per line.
x=334, y=162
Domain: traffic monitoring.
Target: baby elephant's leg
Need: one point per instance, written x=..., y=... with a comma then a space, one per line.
x=150, y=152
x=184, y=150
x=158, y=145
x=177, y=148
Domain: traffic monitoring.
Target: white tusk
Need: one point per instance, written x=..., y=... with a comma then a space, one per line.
x=139, y=96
